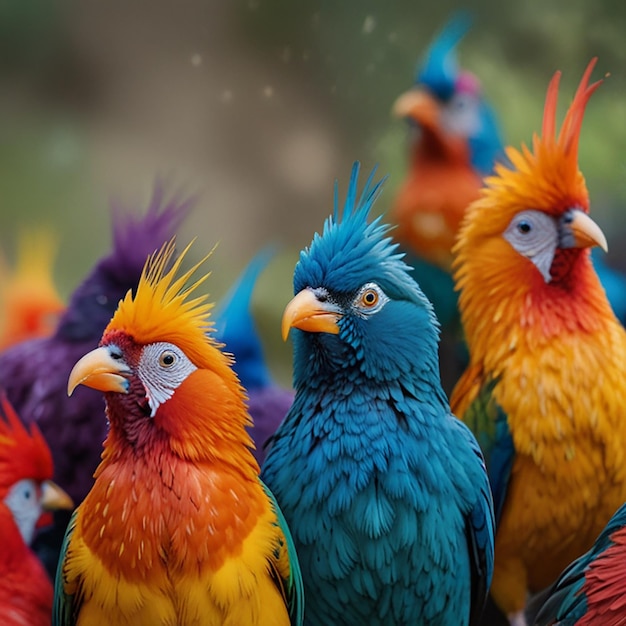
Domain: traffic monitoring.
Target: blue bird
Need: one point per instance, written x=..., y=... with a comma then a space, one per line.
x=384, y=490
x=268, y=402
x=592, y=590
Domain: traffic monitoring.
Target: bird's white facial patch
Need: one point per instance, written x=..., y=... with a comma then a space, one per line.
x=23, y=500
x=162, y=368
x=461, y=115
x=534, y=235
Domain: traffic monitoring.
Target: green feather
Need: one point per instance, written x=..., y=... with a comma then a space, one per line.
x=63, y=610
x=294, y=590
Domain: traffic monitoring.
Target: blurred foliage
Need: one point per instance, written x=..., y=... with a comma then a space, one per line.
x=348, y=60
x=362, y=55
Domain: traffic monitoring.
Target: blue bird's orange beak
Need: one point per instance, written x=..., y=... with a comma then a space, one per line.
x=306, y=312
x=99, y=370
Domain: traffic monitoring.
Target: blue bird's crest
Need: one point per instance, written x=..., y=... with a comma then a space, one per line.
x=439, y=69
x=350, y=247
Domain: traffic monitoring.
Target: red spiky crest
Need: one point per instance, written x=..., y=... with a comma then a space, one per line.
x=547, y=178
x=24, y=452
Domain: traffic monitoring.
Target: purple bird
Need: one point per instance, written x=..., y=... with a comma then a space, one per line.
x=35, y=373
x=234, y=326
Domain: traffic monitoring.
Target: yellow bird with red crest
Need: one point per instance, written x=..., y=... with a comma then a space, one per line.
x=545, y=390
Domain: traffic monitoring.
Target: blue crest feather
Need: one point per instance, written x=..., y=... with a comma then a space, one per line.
x=439, y=69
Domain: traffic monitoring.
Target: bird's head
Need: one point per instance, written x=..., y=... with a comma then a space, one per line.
x=357, y=310
x=447, y=107
x=26, y=470
x=163, y=374
x=30, y=301
x=531, y=223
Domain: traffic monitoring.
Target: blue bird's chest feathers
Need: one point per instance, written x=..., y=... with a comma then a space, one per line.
x=372, y=488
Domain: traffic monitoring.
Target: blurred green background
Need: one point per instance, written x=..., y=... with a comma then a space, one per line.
x=259, y=105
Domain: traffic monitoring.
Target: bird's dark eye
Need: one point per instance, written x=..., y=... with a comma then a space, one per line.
x=524, y=227
x=28, y=494
x=369, y=298
x=167, y=358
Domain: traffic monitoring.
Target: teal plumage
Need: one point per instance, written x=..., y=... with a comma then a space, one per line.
x=384, y=490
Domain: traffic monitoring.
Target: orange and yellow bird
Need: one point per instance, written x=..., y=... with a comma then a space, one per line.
x=545, y=389
x=30, y=305
x=178, y=529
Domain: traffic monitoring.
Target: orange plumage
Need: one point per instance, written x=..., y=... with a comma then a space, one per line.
x=30, y=304
x=441, y=182
x=547, y=358
x=177, y=529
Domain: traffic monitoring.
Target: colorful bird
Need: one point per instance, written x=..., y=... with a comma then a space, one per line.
x=544, y=390
x=25, y=589
x=178, y=528
x=385, y=492
x=30, y=305
x=25, y=474
x=592, y=590
x=455, y=142
x=34, y=373
x=26, y=496
x=268, y=402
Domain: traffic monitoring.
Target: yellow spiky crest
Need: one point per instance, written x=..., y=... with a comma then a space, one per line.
x=163, y=308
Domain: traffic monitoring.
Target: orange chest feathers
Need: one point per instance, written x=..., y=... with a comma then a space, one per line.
x=161, y=514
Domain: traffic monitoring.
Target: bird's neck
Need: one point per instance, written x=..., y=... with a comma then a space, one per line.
x=13, y=550
x=494, y=302
x=437, y=147
x=148, y=506
x=204, y=421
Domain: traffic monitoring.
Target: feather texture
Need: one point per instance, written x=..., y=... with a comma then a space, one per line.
x=384, y=491
x=544, y=386
x=177, y=529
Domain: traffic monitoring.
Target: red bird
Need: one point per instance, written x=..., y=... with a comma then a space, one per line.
x=25, y=472
x=26, y=497
x=25, y=589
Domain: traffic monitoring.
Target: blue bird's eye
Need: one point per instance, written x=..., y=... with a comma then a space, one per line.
x=369, y=298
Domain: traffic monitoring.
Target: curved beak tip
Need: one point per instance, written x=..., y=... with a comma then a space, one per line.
x=285, y=328
x=99, y=370
x=586, y=233
x=53, y=498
